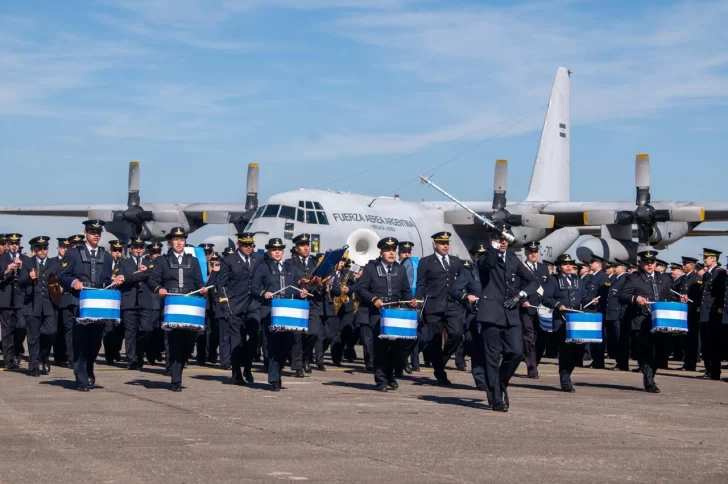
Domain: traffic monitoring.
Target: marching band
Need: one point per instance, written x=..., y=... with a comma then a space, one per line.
x=251, y=306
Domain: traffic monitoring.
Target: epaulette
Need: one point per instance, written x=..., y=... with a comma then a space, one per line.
x=467, y=263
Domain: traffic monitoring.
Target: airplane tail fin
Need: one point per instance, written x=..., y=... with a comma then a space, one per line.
x=550, y=181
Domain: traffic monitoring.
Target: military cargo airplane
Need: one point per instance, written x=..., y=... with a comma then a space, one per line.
x=336, y=218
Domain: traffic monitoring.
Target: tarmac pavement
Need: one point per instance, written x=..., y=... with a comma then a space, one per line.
x=334, y=427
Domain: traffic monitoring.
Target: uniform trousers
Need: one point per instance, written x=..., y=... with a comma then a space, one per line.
x=718, y=333
x=341, y=339
x=612, y=329
x=466, y=343
x=86, y=346
x=691, y=341
x=387, y=356
x=278, y=347
x=452, y=321
x=113, y=339
x=367, y=343
x=570, y=356
x=503, y=354
x=529, y=326
x=213, y=338
x=179, y=341
x=423, y=337
x=63, y=347
x=137, y=331
x=304, y=343
x=624, y=342
x=647, y=344
x=244, y=337
x=224, y=333
x=41, y=330
x=477, y=357
x=328, y=332
x=11, y=321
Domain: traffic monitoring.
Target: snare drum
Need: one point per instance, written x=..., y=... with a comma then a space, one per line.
x=289, y=315
x=184, y=312
x=99, y=306
x=546, y=318
x=583, y=328
x=669, y=317
x=398, y=324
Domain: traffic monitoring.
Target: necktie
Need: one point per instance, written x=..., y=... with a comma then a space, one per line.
x=389, y=269
x=179, y=259
x=305, y=262
x=649, y=278
x=445, y=263
x=93, y=254
x=280, y=267
x=247, y=261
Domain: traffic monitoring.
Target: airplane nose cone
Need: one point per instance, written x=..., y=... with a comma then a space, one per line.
x=591, y=246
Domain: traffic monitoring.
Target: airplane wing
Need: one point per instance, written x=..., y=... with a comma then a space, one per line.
x=218, y=213
x=57, y=210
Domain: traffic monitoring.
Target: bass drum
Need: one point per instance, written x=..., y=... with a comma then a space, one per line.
x=363, y=246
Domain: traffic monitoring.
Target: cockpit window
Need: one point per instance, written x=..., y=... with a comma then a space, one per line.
x=271, y=211
x=300, y=216
x=317, y=206
x=259, y=212
x=310, y=217
x=322, y=220
x=300, y=203
x=287, y=212
x=309, y=205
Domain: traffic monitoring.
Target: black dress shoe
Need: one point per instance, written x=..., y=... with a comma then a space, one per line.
x=337, y=363
x=369, y=367
x=35, y=372
x=248, y=375
x=480, y=388
x=92, y=381
x=500, y=408
x=637, y=370
x=11, y=366
x=652, y=389
x=533, y=374
x=110, y=361
x=306, y=367
x=399, y=373
x=393, y=384
x=569, y=389
x=408, y=368
x=443, y=381
x=70, y=365
x=176, y=387
x=133, y=366
x=46, y=368
x=82, y=388
x=461, y=368
x=276, y=387
x=227, y=367
x=382, y=388
x=167, y=372
x=416, y=368
x=506, y=400
x=299, y=374
x=320, y=367
x=239, y=381
x=687, y=368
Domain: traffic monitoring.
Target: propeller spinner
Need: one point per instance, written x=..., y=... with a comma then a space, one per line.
x=135, y=214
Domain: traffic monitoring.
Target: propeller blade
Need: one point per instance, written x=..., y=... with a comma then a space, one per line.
x=133, y=200
x=500, y=184
x=537, y=221
x=251, y=202
x=600, y=217
x=642, y=179
x=681, y=214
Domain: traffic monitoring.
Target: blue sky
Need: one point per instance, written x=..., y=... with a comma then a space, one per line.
x=316, y=90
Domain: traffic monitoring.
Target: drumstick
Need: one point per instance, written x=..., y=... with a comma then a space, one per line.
x=562, y=309
x=597, y=298
x=195, y=292
x=292, y=287
x=678, y=294
x=400, y=302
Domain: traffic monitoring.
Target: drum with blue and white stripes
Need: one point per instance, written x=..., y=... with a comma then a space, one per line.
x=289, y=315
x=398, y=324
x=546, y=318
x=583, y=327
x=99, y=306
x=184, y=312
x=669, y=317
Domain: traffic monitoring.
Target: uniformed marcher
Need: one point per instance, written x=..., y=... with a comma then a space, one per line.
x=345, y=314
x=691, y=285
x=177, y=273
x=235, y=283
x=114, y=333
x=529, y=317
x=269, y=282
x=640, y=289
x=384, y=281
x=63, y=345
x=618, y=337
x=12, y=298
x=412, y=351
x=152, y=309
x=214, y=310
x=304, y=344
x=502, y=277
x=467, y=289
x=597, y=291
x=138, y=324
x=228, y=251
x=40, y=315
x=712, y=309
x=86, y=266
x=436, y=275
x=565, y=291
